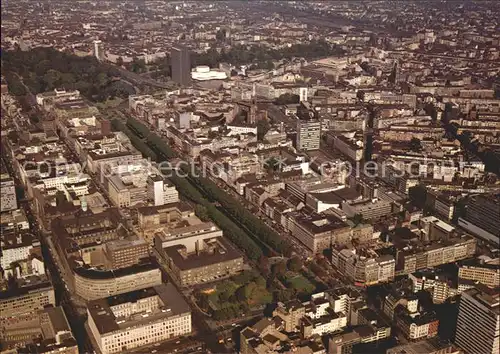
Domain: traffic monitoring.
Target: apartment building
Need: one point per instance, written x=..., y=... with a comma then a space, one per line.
x=350, y=147
x=440, y=287
x=8, y=199
x=139, y=318
x=47, y=330
x=317, y=232
x=363, y=268
x=15, y=246
x=418, y=257
x=416, y=325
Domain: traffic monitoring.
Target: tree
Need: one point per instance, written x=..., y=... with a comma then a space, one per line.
x=16, y=88
x=263, y=127
x=357, y=219
x=279, y=268
x=288, y=98
x=415, y=145
x=119, y=61
x=52, y=78
x=201, y=212
x=418, y=195
x=245, y=292
x=263, y=265
x=220, y=35
x=294, y=264
x=284, y=295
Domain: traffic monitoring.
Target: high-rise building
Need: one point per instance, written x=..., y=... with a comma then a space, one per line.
x=478, y=324
x=181, y=66
x=483, y=217
x=99, y=51
x=161, y=191
x=308, y=134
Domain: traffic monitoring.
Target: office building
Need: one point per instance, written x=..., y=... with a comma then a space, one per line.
x=428, y=346
x=478, y=323
x=217, y=259
x=483, y=217
x=126, y=253
x=181, y=65
x=139, y=318
x=308, y=134
x=99, y=51
x=485, y=272
x=26, y=299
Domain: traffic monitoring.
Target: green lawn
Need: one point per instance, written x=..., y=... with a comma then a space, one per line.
x=299, y=283
x=259, y=295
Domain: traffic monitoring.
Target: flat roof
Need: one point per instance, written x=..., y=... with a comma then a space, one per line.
x=172, y=304
x=203, y=258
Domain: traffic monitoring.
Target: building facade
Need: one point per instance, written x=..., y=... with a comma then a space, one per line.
x=478, y=323
x=181, y=65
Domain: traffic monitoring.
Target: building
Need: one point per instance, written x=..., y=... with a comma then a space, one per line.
x=321, y=316
x=161, y=191
x=478, y=323
x=125, y=253
x=484, y=272
x=428, y=346
x=350, y=147
x=290, y=313
x=439, y=286
x=8, y=200
x=92, y=284
x=416, y=325
x=308, y=134
x=139, y=318
x=420, y=256
x=204, y=73
x=47, y=330
x=363, y=267
x=317, y=232
x=483, y=217
x=99, y=50
x=181, y=65
x=26, y=299
x=217, y=259
x=397, y=298
x=15, y=246
x=344, y=342
x=368, y=208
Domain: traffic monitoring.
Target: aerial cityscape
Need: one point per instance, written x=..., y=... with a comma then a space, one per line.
x=247, y=176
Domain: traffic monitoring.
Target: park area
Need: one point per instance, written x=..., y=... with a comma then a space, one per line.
x=298, y=282
x=235, y=296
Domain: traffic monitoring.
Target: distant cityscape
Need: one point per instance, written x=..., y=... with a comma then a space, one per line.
x=255, y=177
